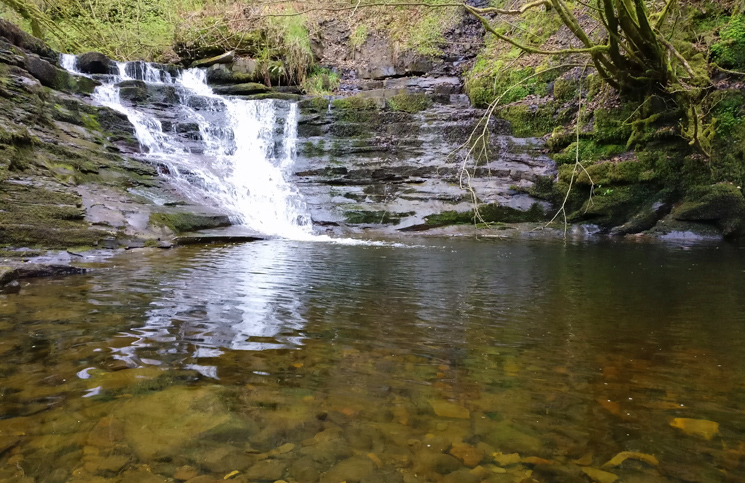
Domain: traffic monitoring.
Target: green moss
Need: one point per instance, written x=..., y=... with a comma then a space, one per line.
x=185, y=222
x=285, y=96
x=489, y=80
x=613, y=206
x=728, y=145
x=312, y=149
x=350, y=130
x=490, y=213
x=565, y=89
x=318, y=104
x=529, y=120
x=589, y=151
x=722, y=203
x=411, y=103
x=611, y=125
x=90, y=122
x=355, y=102
x=729, y=52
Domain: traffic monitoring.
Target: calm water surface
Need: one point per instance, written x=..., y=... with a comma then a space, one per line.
x=452, y=361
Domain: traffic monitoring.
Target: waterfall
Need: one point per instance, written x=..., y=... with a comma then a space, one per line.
x=232, y=153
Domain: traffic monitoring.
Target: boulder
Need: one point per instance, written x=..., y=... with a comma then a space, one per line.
x=48, y=75
x=94, y=63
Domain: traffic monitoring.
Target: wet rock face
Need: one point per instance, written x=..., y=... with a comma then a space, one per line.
x=389, y=157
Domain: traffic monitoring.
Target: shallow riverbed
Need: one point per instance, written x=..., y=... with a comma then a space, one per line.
x=454, y=361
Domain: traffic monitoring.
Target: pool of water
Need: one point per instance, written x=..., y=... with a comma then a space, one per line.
x=454, y=361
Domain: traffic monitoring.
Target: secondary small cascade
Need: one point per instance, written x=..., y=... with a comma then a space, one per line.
x=225, y=151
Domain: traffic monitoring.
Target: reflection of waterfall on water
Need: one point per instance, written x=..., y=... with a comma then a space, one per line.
x=242, y=300
x=238, y=158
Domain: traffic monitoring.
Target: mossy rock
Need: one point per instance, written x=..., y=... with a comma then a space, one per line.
x=490, y=213
x=722, y=203
x=247, y=89
x=610, y=207
x=605, y=174
x=313, y=104
x=589, y=151
x=411, y=103
x=182, y=222
x=529, y=120
x=565, y=89
x=356, y=102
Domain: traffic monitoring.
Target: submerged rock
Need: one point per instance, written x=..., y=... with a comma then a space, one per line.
x=160, y=425
x=696, y=427
x=447, y=409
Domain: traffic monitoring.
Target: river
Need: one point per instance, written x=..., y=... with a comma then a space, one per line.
x=434, y=360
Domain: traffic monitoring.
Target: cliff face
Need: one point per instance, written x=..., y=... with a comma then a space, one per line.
x=67, y=174
x=71, y=172
x=391, y=158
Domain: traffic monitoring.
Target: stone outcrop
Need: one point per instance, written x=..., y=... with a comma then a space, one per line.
x=69, y=175
x=390, y=158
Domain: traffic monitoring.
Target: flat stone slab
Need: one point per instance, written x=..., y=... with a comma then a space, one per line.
x=231, y=234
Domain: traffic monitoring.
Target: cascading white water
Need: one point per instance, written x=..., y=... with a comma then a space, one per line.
x=238, y=161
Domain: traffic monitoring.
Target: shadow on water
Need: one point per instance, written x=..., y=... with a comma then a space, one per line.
x=454, y=361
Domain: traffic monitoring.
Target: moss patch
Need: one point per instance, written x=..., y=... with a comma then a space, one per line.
x=490, y=213
x=355, y=102
x=186, y=222
x=411, y=103
x=529, y=120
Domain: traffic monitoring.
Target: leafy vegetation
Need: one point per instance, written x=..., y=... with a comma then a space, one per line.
x=320, y=81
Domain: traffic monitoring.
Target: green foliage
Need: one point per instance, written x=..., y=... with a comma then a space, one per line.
x=320, y=82
x=486, y=82
x=729, y=52
x=427, y=34
x=124, y=29
x=411, y=103
x=359, y=35
x=288, y=37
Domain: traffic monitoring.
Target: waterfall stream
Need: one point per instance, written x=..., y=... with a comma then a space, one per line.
x=232, y=153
